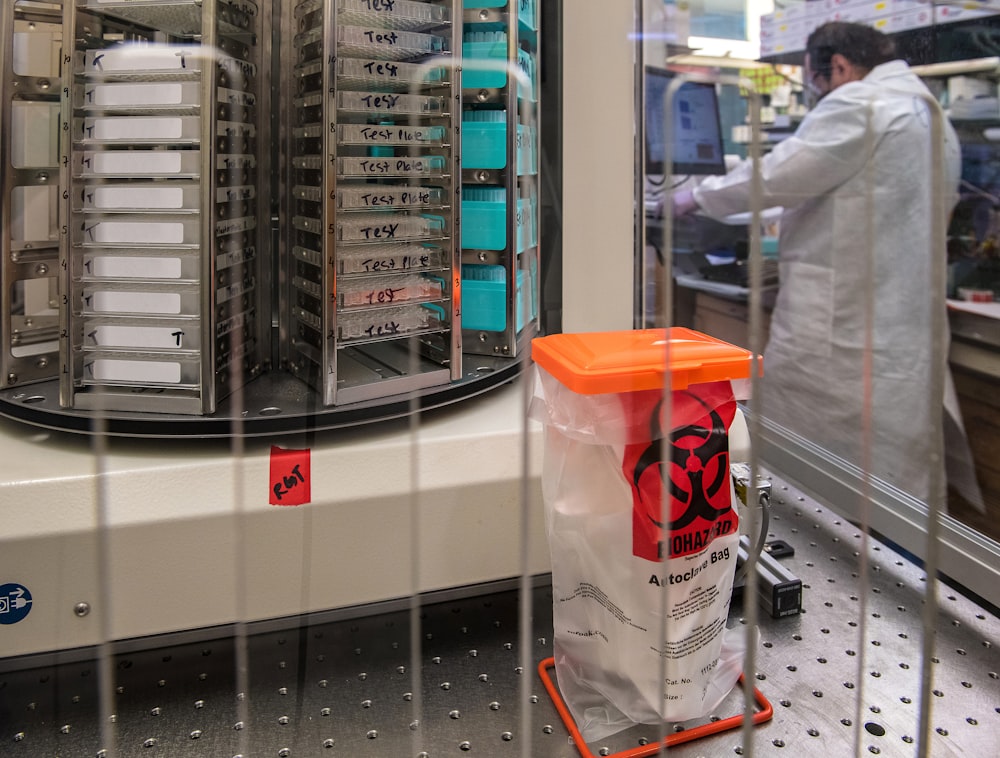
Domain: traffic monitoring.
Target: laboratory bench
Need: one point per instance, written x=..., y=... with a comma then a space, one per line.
x=454, y=673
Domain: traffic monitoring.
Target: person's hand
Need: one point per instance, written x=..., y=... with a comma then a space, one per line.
x=683, y=203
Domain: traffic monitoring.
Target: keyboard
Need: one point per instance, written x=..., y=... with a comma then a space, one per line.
x=738, y=273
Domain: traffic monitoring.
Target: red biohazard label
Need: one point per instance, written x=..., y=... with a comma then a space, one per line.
x=692, y=462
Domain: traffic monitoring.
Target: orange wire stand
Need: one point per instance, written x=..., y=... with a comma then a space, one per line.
x=703, y=730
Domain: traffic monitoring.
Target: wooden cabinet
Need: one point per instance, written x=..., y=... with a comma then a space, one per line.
x=726, y=319
x=975, y=366
x=980, y=404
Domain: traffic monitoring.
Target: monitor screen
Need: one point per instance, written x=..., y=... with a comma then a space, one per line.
x=696, y=131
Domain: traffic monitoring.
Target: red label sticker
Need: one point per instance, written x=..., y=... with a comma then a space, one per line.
x=695, y=472
x=290, y=477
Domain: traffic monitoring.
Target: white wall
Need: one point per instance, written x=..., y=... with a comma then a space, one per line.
x=598, y=156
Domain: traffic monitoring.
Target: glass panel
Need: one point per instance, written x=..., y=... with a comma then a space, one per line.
x=879, y=333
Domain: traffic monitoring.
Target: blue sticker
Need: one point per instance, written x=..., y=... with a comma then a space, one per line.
x=15, y=603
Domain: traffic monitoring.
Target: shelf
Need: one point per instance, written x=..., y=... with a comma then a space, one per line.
x=182, y=18
x=980, y=66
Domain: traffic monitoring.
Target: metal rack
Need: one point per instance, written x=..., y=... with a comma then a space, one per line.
x=30, y=87
x=165, y=304
x=164, y=278
x=500, y=206
x=369, y=301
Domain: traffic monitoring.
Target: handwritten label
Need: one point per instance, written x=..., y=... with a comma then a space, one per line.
x=291, y=477
x=382, y=330
x=382, y=38
x=380, y=102
x=390, y=264
x=393, y=134
x=379, y=297
x=398, y=165
x=373, y=200
x=386, y=231
x=381, y=68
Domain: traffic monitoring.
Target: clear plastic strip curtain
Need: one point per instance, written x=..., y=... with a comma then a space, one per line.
x=247, y=722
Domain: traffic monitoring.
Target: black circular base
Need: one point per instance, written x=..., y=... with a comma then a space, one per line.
x=275, y=403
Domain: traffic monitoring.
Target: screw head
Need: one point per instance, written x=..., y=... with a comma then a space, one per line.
x=81, y=609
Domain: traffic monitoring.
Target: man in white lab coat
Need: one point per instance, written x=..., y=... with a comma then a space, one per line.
x=855, y=185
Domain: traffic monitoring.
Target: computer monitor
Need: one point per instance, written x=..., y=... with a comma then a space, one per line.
x=696, y=135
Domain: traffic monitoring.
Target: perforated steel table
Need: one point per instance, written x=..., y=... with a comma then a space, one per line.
x=844, y=676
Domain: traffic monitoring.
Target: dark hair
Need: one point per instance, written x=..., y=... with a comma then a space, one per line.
x=862, y=45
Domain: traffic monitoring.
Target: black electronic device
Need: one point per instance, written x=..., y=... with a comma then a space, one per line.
x=695, y=131
x=738, y=272
x=778, y=590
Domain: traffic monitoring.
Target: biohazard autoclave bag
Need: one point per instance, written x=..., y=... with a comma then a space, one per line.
x=643, y=532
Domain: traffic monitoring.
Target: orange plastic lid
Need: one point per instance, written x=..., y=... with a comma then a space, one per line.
x=593, y=363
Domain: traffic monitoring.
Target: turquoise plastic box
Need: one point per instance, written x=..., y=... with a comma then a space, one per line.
x=484, y=220
x=484, y=139
x=484, y=299
x=526, y=9
x=484, y=144
x=527, y=223
x=493, y=54
x=527, y=15
x=527, y=150
x=490, y=48
x=533, y=286
x=524, y=224
x=527, y=63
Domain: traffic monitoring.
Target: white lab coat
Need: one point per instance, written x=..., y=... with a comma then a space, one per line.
x=854, y=182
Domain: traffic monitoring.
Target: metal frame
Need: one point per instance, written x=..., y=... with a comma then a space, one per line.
x=28, y=341
x=225, y=226
x=966, y=556
x=520, y=112
x=317, y=345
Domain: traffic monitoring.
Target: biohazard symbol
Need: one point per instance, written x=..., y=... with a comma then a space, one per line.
x=696, y=451
x=695, y=472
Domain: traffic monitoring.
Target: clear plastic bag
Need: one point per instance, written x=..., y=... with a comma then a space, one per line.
x=640, y=602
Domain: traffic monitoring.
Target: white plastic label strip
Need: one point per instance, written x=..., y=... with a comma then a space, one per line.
x=139, y=197
x=140, y=372
x=132, y=267
x=136, y=302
